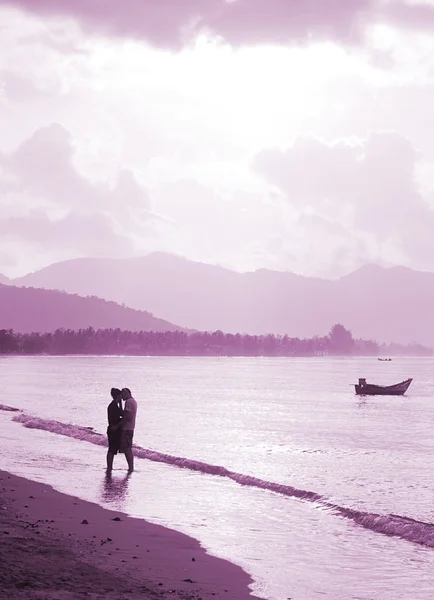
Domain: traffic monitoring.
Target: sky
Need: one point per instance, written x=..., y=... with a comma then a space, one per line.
x=281, y=134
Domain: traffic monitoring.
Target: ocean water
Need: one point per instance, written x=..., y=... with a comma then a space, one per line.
x=272, y=463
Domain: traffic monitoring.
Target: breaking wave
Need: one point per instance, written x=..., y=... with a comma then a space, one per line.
x=9, y=408
x=403, y=527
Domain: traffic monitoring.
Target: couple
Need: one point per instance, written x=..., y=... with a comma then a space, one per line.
x=121, y=423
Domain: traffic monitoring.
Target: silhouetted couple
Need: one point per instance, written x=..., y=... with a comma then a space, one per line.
x=121, y=424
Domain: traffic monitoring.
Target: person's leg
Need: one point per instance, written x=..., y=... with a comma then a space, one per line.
x=128, y=449
x=110, y=457
x=130, y=459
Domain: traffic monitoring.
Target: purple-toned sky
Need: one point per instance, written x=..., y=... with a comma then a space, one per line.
x=285, y=134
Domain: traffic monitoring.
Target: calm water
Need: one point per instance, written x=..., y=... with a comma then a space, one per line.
x=319, y=493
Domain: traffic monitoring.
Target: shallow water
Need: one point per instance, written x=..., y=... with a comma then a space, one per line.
x=309, y=473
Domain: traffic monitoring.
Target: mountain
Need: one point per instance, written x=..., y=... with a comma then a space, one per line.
x=209, y=296
x=385, y=304
x=28, y=309
x=4, y=280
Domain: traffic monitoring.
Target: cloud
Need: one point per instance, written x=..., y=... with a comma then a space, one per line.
x=17, y=88
x=417, y=16
x=310, y=172
x=166, y=23
x=47, y=203
x=215, y=227
x=368, y=187
x=289, y=21
x=7, y=259
x=91, y=235
x=42, y=166
x=173, y=23
x=331, y=248
x=193, y=119
x=247, y=231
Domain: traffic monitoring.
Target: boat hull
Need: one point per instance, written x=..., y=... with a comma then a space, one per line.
x=369, y=389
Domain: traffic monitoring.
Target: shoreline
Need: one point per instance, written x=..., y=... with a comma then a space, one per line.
x=161, y=355
x=58, y=546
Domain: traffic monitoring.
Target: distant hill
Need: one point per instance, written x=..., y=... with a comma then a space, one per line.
x=4, y=280
x=386, y=304
x=28, y=309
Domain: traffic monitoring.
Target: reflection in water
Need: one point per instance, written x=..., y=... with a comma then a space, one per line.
x=114, y=490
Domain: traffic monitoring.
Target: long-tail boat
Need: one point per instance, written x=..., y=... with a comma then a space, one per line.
x=370, y=389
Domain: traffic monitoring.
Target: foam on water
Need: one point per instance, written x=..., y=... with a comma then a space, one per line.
x=412, y=530
x=9, y=408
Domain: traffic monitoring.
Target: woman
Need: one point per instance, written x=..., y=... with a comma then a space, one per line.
x=114, y=414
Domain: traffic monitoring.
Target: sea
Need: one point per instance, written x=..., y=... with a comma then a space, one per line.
x=272, y=463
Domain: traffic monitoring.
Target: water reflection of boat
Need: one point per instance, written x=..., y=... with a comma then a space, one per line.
x=370, y=389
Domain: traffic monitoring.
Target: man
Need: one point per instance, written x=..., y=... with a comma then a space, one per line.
x=114, y=414
x=127, y=427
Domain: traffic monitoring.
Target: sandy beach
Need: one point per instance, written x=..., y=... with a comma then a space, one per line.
x=58, y=546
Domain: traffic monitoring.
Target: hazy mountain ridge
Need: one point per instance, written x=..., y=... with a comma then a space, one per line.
x=386, y=304
x=27, y=309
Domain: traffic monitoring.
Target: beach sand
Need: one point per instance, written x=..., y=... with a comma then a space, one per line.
x=54, y=546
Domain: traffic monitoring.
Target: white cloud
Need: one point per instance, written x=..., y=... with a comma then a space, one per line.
x=154, y=147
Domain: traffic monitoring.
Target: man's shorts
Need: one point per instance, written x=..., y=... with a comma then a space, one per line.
x=126, y=440
x=114, y=441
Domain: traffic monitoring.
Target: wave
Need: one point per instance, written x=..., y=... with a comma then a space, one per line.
x=409, y=529
x=9, y=408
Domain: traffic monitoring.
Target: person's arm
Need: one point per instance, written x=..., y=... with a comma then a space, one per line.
x=127, y=415
x=116, y=426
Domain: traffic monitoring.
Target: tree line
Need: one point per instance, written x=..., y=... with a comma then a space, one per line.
x=338, y=342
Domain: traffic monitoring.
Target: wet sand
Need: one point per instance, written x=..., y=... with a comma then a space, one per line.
x=55, y=546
